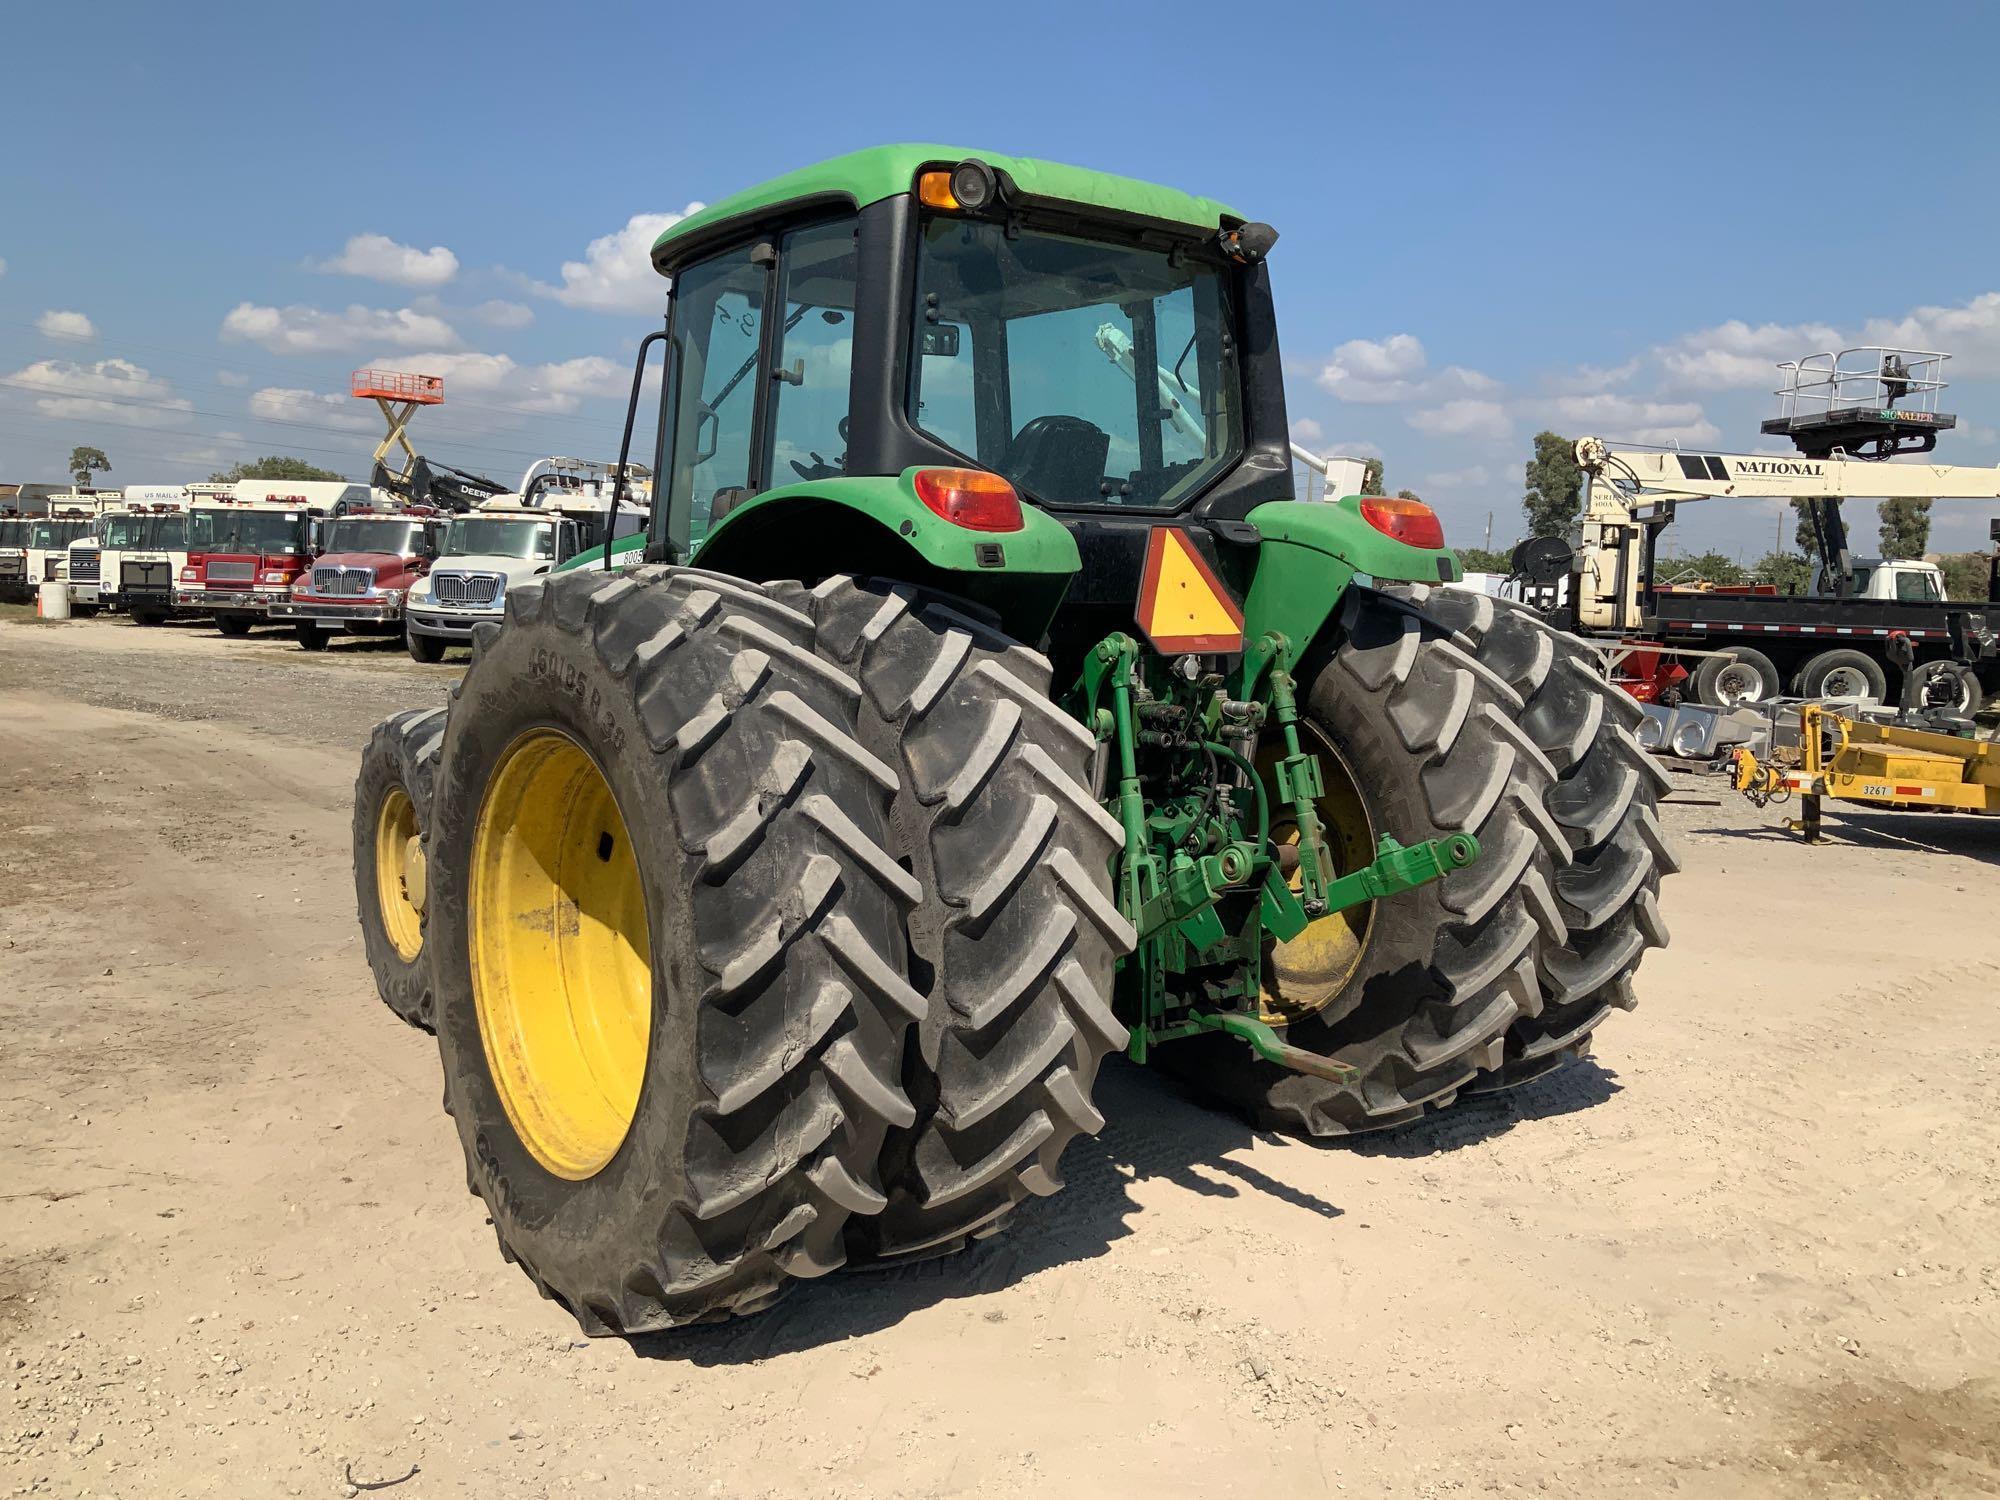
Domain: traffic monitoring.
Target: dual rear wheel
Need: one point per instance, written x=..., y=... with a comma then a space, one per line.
x=767, y=929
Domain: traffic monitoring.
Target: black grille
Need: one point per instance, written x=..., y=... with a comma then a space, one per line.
x=348, y=582
x=156, y=576
x=465, y=588
x=13, y=567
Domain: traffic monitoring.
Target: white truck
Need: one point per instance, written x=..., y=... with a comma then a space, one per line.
x=488, y=550
x=141, y=551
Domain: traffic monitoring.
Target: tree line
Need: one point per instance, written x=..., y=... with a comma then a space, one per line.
x=86, y=463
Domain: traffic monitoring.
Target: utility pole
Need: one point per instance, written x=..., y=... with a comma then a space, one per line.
x=1489, y=531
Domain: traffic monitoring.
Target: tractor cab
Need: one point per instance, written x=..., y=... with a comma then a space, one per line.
x=1010, y=362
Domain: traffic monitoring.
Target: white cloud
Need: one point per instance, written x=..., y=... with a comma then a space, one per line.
x=278, y=404
x=1970, y=334
x=1466, y=417
x=1735, y=356
x=560, y=387
x=1627, y=418
x=231, y=378
x=1307, y=431
x=496, y=313
x=3, y=266
x=111, y=390
x=616, y=273
x=298, y=329
x=1584, y=380
x=380, y=258
x=73, y=326
x=1395, y=369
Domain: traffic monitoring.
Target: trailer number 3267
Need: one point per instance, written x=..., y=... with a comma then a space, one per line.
x=1877, y=789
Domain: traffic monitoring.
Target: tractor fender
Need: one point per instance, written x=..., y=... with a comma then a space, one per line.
x=1311, y=552
x=876, y=526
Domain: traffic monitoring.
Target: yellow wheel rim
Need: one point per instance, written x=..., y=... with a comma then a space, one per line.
x=399, y=863
x=562, y=974
x=1313, y=969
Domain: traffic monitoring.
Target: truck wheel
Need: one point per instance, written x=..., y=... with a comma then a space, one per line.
x=233, y=625
x=148, y=617
x=1745, y=675
x=1438, y=712
x=312, y=637
x=1844, y=674
x=392, y=808
x=667, y=945
x=1017, y=932
x=427, y=649
x=1965, y=696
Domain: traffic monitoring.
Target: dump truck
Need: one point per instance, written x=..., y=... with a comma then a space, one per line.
x=971, y=717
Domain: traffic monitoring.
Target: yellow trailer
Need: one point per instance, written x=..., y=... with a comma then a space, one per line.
x=1874, y=765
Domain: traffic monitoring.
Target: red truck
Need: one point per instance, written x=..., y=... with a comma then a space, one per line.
x=243, y=556
x=367, y=561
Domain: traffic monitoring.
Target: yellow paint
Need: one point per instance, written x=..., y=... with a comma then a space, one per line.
x=561, y=958
x=396, y=837
x=1185, y=603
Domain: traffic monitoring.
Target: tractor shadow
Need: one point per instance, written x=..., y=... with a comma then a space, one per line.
x=1155, y=1130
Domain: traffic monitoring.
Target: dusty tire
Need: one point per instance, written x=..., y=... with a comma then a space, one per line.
x=148, y=617
x=1745, y=675
x=1453, y=712
x=1844, y=674
x=400, y=760
x=1018, y=932
x=775, y=1002
x=427, y=649
x=234, y=626
x=313, y=637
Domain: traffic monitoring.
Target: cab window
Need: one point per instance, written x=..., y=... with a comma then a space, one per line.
x=718, y=332
x=809, y=387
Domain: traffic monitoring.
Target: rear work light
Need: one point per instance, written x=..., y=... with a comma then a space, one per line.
x=1409, y=521
x=971, y=498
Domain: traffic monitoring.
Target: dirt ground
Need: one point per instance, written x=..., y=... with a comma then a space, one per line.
x=1752, y=1248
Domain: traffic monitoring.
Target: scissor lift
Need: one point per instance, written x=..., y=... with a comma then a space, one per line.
x=398, y=395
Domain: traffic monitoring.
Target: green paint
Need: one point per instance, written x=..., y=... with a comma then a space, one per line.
x=1311, y=553
x=625, y=552
x=863, y=177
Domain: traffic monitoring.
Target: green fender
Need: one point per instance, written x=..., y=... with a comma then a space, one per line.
x=876, y=526
x=626, y=552
x=1311, y=552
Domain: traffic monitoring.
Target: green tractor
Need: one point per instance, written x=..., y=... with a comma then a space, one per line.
x=983, y=704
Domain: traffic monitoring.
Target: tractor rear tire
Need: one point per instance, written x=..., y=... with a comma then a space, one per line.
x=1453, y=712
x=1018, y=932
x=392, y=804
x=700, y=737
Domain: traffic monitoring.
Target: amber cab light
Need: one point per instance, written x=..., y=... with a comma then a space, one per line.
x=934, y=190
x=1409, y=521
x=971, y=498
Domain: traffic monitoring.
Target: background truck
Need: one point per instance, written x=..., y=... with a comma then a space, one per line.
x=367, y=561
x=487, y=550
x=1744, y=644
x=142, y=550
x=14, y=530
x=72, y=515
x=244, y=555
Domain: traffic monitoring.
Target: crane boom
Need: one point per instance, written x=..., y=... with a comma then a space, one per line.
x=1765, y=476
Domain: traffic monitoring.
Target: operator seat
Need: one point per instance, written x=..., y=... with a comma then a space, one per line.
x=1060, y=459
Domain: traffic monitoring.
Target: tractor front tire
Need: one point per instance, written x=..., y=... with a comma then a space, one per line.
x=667, y=943
x=1018, y=932
x=392, y=809
x=1451, y=712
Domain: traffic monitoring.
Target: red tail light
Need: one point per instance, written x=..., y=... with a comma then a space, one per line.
x=971, y=498
x=1409, y=521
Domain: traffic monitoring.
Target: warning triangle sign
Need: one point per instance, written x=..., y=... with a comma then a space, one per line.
x=1183, y=606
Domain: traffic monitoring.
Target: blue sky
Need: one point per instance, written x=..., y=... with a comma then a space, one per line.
x=1600, y=218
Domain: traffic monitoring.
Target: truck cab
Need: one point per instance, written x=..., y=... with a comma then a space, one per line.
x=243, y=556
x=47, y=550
x=142, y=550
x=484, y=553
x=368, y=561
x=1900, y=580
x=14, y=556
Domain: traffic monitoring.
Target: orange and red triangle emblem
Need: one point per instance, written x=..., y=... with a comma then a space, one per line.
x=1183, y=606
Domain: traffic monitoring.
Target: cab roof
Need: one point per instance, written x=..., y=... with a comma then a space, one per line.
x=863, y=177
